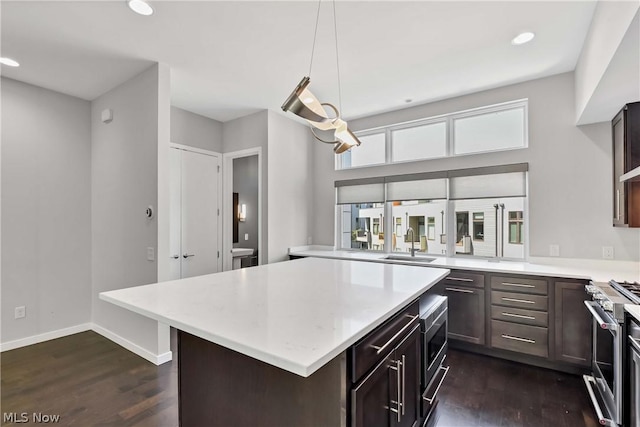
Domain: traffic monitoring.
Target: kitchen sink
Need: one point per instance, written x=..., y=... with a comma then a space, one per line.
x=408, y=258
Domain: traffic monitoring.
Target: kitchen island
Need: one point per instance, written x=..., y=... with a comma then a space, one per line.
x=268, y=345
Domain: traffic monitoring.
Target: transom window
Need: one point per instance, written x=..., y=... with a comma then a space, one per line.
x=492, y=128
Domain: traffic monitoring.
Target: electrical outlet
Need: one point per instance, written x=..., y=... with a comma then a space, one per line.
x=20, y=312
x=607, y=252
x=309, y=240
x=151, y=255
x=246, y=236
x=554, y=250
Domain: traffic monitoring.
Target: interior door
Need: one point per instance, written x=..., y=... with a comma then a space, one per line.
x=175, y=213
x=200, y=214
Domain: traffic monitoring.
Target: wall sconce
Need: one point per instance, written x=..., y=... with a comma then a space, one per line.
x=242, y=213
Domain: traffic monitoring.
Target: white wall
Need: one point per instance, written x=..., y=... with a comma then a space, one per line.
x=245, y=183
x=46, y=210
x=570, y=195
x=194, y=130
x=124, y=161
x=290, y=168
x=610, y=25
x=243, y=133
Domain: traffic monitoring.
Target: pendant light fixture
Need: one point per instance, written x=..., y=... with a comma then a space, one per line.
x=321, y=115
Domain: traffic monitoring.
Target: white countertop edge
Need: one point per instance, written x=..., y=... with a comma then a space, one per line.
x=285, y=364
x=568, y=268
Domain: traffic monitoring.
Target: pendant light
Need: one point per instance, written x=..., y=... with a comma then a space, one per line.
x=322, y=115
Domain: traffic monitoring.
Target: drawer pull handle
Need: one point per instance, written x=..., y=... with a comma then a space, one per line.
x=464, y=291
x=459, y=279
x=518, y=285
x=523, y=301
x=393, y=338
x=527, y=340
x=519, y=316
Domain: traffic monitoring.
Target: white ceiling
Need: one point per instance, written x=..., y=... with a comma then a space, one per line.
x=229, y=59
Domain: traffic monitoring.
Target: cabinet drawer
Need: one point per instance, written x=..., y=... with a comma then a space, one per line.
x=521, y=338
x=458, y=278
x=519, y=284
x=520, y=315
x=375, y=346
x=511, y=299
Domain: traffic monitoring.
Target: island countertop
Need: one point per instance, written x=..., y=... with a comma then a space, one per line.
x=296, y=315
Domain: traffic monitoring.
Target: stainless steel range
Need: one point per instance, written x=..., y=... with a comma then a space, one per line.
x=606, y=384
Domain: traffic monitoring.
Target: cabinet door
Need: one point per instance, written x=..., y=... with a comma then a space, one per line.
x=408, y=354
x=573, y=324
x=466, y=313
x=371, y=398
x=619, y=188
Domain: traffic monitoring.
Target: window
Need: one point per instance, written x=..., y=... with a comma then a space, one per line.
x=497, y=130
x=419, y=142
x=414, y=212
x=484, y=206
x=516, y=222
x=370, y=152
x=478, y=226
x=361, y=226
x=491, y=128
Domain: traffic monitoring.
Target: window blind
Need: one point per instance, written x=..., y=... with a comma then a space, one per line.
x=360, y=192
x=511, y=184
x=428, y=189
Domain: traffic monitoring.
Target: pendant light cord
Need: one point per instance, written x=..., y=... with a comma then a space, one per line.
x=315, y=35
x=335, y=30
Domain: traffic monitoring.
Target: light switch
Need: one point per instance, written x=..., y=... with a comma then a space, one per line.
x=151, y=255
x=246, y=236
x=554, y=250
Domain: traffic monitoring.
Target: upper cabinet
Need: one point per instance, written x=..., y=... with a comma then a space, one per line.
x=626, y=166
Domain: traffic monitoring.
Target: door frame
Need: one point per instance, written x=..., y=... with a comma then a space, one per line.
x=219, y=157
x=227, y=204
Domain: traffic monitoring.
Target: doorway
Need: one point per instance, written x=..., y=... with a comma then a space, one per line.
x=243, y=209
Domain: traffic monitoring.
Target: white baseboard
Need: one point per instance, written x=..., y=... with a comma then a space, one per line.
x=157, y=359
x=35, y=339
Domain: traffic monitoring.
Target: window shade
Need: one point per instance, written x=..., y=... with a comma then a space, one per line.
x=365, y=193
x=513, y=184
x=427, y=189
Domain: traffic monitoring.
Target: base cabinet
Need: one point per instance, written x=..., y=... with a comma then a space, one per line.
x=466, y=313
x=573, y=324
x=388, y=395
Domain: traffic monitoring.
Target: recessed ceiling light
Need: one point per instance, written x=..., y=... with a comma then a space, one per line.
x=141, y=7
x=523, y=38
x=10, y=62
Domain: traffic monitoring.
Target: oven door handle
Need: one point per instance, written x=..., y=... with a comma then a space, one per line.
x=591, y=306
x=588, y=381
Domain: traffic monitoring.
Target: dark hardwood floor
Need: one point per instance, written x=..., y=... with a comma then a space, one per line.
x=90, y=381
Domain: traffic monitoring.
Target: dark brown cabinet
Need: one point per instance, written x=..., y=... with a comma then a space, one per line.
x=466, y=306
x=572, y=324
x=625, y=128
x=388, y=395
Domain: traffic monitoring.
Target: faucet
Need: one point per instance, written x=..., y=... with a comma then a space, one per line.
x=413, y=250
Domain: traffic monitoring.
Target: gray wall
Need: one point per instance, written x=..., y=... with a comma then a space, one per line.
x=194, y=130
x=249, y=132
x=245, y=183
x=570, y=195
x=46, y=210
x=291, y=168
x=124, y=161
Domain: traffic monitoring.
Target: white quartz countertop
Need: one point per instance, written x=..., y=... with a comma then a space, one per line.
x=597, y=270
x=634, y=310
x=295, y=315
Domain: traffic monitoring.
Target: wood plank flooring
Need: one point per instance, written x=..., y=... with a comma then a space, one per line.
x=90, y=381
